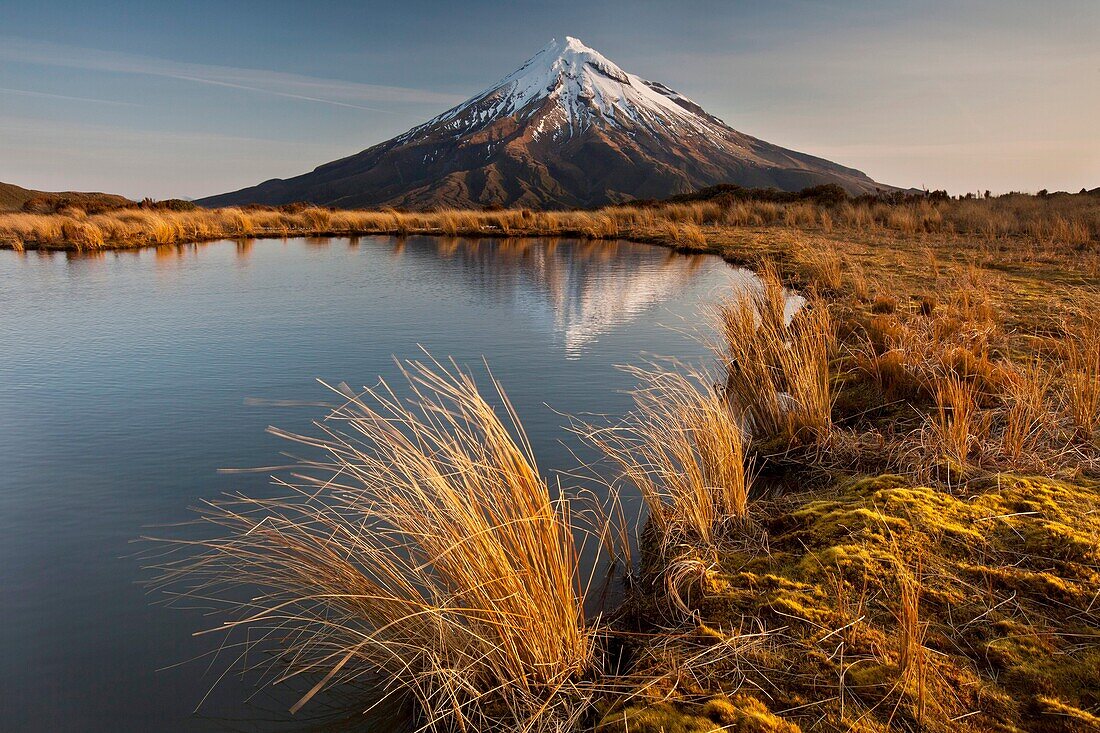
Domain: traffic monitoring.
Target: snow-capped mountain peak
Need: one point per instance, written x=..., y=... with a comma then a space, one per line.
x=568, y=128
x=585, y=88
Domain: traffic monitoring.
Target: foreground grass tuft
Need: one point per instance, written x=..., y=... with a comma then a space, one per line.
x=778, y=373
x=683, y=449
x=423, y=554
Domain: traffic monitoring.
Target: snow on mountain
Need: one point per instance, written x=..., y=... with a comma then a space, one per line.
x=568, y=128
x=586, y=89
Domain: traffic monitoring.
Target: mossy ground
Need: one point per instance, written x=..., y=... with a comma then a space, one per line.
x=740, y=713
x=1008, y=576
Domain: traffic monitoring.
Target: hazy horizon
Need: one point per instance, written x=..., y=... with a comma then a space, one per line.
x=197, y=100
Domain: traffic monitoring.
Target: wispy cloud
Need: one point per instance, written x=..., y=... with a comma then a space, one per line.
x=275, y=83
x=65, y=97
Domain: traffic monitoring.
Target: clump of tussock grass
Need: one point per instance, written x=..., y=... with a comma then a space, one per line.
x=778, y=373
x=1027, y=418
x=422, y=552
x=599, y=226
x=981, y=406
x=686, y=234
x=857, y=281
x=884, y=304
x=911, y=634
x=683, y=448
x=316, y=217
x=855, y=217
x=908, y=352
x=453, y=222
x=632, y=216
x=800, y=215
x=823, y=267
x=83, y=234
x=955, y=422
x=1081, y=373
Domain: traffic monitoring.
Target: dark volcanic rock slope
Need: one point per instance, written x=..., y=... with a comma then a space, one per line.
x=567, y=129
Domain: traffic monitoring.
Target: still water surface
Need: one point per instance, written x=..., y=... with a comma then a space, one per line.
x=127, y=379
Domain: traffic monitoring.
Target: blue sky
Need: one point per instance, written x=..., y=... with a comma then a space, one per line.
x=188, y=99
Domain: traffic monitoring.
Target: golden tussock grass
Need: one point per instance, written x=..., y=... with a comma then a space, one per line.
x=985, y=407
x=686, y=235
x=911, y=635
x=1027, y=419
x=800, y=215
x=421, y=551
x=884, y=304
x=823, y=267
x=683, y=449
x=1081, y=372
x=955, y=428
x=425, y=551
x=857, y=281
x=1055, y=221
x=778, y=372
x=1032, y=228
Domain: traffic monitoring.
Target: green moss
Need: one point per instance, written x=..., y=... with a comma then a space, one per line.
x=1006, y=579
x=746, y=714
x=1034, y=659
x=740, y=714
x=663, y=718
x=1055, y=715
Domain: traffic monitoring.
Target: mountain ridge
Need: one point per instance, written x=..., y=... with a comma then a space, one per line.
x=567, y=129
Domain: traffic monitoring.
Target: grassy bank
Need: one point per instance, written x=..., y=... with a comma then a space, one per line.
x=878, y=515
x=920, y=547
x=420, y=555
x=1059, y=223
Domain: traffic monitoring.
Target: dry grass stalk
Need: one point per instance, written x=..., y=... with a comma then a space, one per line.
x=933, y=261
x=857, y=282
x=778, y=374
x=824, y=267
x=1026, y=415
x=1081, y=373
x=686, y=234
x=884, y=304
x=423, y=551
x=955, y=420
x=682, y=447
x=771, y=299
x=912, y=656
x=972, y=298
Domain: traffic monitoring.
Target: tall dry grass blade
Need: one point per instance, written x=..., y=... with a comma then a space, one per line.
x=1081, y=373
x=422, y=551
x=1026, y=416
x=682, y=447
x=955, y=420
x=778, y=374
x=912, y=632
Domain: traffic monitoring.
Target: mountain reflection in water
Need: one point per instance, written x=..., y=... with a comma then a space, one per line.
x=576, y=289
